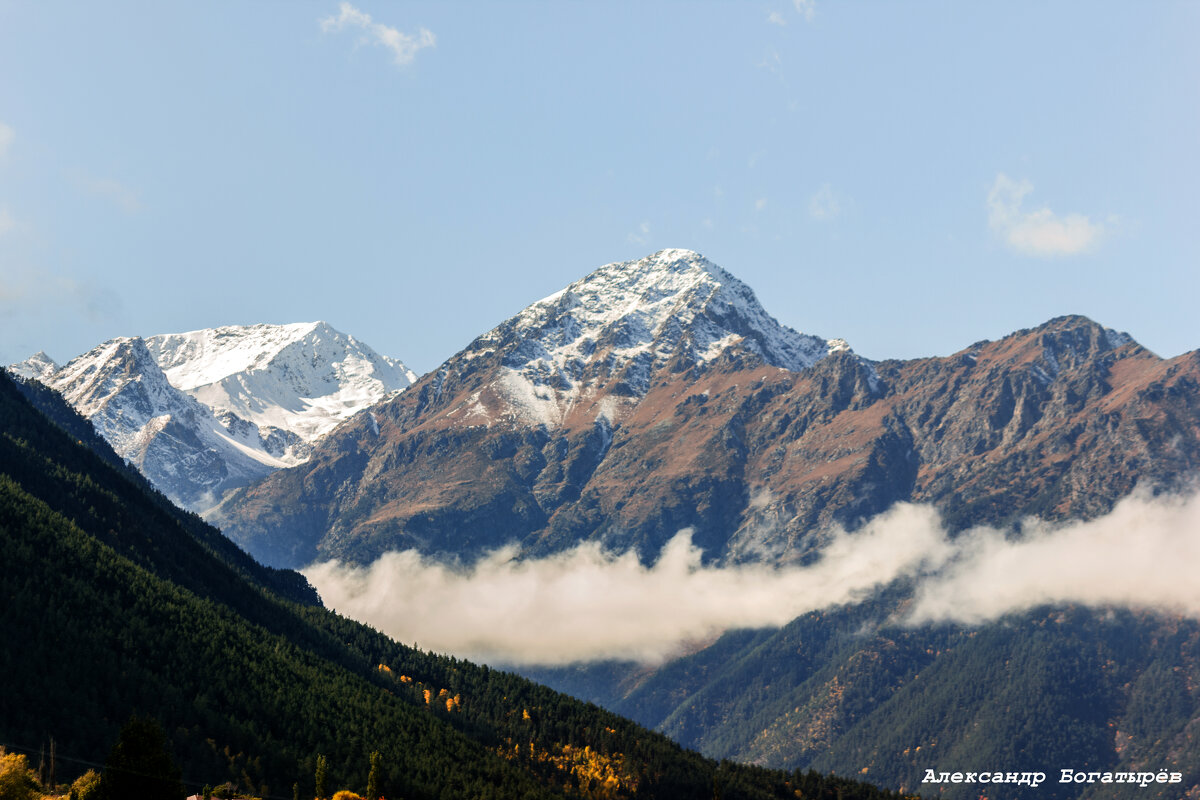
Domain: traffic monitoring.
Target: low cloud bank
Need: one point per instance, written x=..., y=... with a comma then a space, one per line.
x=586, y=605
x=1145, y=554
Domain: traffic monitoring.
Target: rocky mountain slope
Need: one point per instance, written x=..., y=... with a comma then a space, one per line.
x=204, y=411
x=657, y=394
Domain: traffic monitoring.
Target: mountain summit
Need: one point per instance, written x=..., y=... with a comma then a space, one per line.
x=627, y=320
x=593, y=349
x=203, y=411
x=303, y=378
x=505, y=437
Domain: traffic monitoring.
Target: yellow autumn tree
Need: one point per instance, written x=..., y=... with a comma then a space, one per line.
x=16, y=779
x=86, y=786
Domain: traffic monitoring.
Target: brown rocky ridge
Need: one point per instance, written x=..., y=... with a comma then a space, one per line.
x=555, y=428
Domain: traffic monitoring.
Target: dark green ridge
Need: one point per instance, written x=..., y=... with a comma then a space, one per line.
x=115, y=605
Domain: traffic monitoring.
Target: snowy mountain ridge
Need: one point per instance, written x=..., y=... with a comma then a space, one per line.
x=304, y=377
x=203, y=411
x=629, y=320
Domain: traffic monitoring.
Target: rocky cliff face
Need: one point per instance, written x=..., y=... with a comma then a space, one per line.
x=657, y=394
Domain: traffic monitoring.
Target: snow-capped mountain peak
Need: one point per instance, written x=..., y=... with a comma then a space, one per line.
x=302, y=377
x=609, y=332
x=37, y=366
x=670, y=301
x=207, y=410
x=120, y=387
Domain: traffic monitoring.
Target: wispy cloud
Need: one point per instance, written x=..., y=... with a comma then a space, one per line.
x=403, y=46
x=824, y=205
x=775, y=18
x=806, y=9
x=1036, y=232
x=772, y=63
x=7, y=223
x=586, y=604
x=641, y=235
x=7, y=136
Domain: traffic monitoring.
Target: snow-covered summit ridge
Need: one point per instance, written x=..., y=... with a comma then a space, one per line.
x=303, y=377
x=670, y=303
x=120, y=387
x=611, y=330
x=37, y=366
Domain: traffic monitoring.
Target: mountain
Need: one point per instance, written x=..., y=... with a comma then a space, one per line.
x=204, y=411
x=119, y=604
x=502, y=440
x=294, y=382
x=657, y=394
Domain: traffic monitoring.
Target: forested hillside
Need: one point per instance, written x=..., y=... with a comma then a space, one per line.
x=843, y=690
x=115, y=605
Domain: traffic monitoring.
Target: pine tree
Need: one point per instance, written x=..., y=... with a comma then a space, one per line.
x=373, y=777
x=320, y=777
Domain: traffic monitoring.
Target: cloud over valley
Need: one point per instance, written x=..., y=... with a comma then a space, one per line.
x=587, y=605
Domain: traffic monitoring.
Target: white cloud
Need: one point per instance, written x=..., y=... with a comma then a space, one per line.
x=7, y=136
x=760, y=204
x=7, y=223
x=775, y=18
x=806, y=9
x=1038, y=232
x=404, y=46
x=824, y=205
x=586, y=605
x=641, y=235
x=1142, y=555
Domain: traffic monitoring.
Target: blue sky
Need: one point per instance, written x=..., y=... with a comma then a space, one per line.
x=911, y=177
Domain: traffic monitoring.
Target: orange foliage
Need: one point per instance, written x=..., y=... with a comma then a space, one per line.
x=599, y=775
